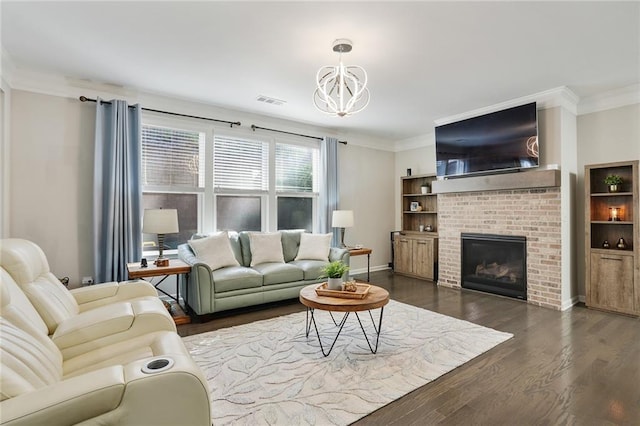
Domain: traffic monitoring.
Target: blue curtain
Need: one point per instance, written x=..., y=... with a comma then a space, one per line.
x=117, y=194
x=328, y=197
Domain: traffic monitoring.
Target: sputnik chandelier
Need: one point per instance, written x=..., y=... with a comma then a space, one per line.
x=341, y=90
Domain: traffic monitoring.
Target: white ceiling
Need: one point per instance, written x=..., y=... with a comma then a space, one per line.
x=425, y=60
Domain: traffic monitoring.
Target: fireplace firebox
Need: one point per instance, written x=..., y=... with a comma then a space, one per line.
x=495, y=264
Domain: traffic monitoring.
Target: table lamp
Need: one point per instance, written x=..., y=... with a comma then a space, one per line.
x=342, y=219
x=161, y=222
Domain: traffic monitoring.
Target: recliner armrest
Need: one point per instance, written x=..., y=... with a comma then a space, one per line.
x=118, y=395
x=70, y=401
x=92, y=296
x=110, y=324
x=94, y=324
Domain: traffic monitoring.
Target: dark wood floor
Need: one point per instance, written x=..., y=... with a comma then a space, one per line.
x=579, y=367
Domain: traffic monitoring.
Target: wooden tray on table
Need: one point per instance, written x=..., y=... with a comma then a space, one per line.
x=360, y=293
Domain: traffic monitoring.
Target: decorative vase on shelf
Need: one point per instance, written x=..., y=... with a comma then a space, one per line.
x=621, y=244
x=424, y=189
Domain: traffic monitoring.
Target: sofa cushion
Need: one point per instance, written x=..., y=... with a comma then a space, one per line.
x=290, y=243
x=311, y=269
x=276, y=273
x=266, y=247
x=314, y=247
x=235, y=278
x=214, y=250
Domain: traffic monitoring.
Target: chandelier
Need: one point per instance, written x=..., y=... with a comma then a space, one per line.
x=341, y=90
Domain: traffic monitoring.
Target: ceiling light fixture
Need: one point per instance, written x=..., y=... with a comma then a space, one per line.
x=341, y=90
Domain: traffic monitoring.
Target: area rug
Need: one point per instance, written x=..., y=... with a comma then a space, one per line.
x=268, y=372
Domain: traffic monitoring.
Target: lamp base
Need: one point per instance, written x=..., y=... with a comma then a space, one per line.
x=162, y=262
x=342, y=244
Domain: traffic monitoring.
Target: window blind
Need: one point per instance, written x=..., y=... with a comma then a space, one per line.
x=240, y=164
x=296, y=168
x=172, y=157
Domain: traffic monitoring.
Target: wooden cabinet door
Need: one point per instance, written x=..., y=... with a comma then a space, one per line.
x=402, y=255
x=423, y=258
x=611, y=282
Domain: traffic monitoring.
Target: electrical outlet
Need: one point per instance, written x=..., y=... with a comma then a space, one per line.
x=87, y=280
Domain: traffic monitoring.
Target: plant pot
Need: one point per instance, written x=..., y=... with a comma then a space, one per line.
x=424, y=189
x=614, y=188
x=334, y=283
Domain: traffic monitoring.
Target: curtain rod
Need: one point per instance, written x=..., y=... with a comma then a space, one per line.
x=254, y=127
x=231, y=123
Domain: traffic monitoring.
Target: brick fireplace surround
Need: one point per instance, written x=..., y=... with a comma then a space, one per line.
x=533, y=213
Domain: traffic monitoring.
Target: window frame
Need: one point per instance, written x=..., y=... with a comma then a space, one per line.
x=207, y=196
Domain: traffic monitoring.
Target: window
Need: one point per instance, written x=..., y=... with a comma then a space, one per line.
x=226, y=179
x=297, y=185
x=239, y=213
x=296, y=168
x=295, y=213
x=240, y=164
x=172, y=177
x=172, y=158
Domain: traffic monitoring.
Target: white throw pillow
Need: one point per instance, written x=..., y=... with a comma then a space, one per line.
x=314, y=246
x=265, y=247
x=214, y=250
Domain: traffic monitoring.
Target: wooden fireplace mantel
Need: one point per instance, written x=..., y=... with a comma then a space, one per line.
x=518, y=180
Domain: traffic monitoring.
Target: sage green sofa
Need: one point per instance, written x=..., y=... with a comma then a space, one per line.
x=240, y=286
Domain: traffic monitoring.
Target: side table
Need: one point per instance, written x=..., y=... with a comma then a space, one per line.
x=360, y=252
x=176, y=267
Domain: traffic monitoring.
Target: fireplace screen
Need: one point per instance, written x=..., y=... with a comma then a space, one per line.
x=495, y=264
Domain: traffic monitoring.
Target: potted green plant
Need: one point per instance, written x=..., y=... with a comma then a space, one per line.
x=334, y=272
x=614, y=182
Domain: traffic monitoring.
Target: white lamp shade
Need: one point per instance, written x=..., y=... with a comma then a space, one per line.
x=342, y=219
x=160, y=221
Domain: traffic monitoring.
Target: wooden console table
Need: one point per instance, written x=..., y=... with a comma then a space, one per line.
x=360, y=252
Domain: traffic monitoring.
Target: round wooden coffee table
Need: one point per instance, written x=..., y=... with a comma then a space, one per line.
x=375, y=298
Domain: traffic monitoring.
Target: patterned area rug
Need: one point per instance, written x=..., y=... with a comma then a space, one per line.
x=268, y=372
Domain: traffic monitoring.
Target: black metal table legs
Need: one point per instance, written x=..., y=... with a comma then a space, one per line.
x=311, y=320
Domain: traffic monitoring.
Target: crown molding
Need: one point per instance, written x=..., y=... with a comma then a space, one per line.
x=557, y=97
x=616, y=98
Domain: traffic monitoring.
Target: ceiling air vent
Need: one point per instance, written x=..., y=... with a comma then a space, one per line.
x=271, y=101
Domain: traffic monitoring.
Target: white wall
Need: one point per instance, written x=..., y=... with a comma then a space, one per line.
x=603, y=137
x=366, y=182
x=51, y=177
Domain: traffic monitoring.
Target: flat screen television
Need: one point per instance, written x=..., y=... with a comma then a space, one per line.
x=499, y=141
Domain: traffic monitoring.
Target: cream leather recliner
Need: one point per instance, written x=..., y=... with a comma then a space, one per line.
x=88, y=318
x=147, y=380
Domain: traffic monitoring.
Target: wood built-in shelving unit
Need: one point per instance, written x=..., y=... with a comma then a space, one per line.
x=412, y=193
x=415, y=251
x=613, y=273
